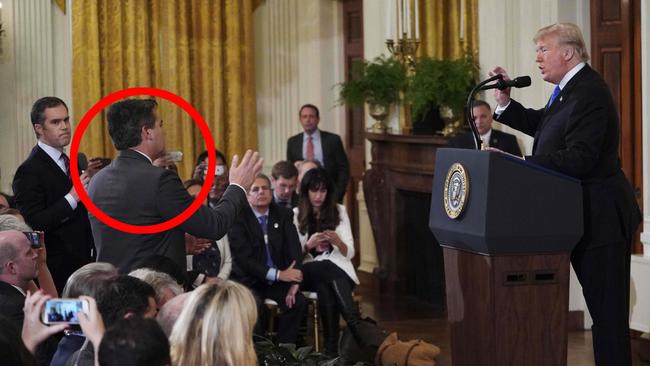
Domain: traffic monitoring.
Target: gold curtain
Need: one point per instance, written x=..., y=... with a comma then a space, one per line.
x=201, y=50
x=440, y=33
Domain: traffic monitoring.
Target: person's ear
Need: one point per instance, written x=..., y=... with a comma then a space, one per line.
x=145, y=133
x=38, y=128
x=569, y=52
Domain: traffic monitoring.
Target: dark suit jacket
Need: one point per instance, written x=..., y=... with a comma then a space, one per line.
x=39, y=188
x=134, y=191
x=249, y=250
x=500, y=140
x=578, y=135
x=336, y=161
x=294, y=199
x=11, y=304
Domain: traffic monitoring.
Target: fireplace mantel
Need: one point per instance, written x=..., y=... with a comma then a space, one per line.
x=400, y=164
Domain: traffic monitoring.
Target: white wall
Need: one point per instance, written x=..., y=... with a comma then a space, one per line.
x=298, y=60
x=36, y=63
x=640, y=266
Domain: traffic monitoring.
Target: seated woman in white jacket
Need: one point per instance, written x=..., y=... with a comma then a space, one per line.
x=326, y=238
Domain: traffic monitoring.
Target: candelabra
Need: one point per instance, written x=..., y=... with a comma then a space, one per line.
x=404, y=50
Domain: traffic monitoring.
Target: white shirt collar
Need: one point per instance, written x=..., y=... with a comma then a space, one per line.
x=259, y=214
x=486, y=137
x=20, y=289
x=314, y=136
x=52, y=152
x=570, y=74
x=143, y=154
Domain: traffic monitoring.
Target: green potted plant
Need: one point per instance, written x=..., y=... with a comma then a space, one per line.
x=271, y=354
x=437, y=85
x=378, y=83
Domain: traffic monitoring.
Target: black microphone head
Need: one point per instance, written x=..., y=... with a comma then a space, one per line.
x=521, y=82
x=82, y=161
x=518, y=82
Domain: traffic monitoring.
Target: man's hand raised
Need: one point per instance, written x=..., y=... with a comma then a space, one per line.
x=290, y=274
x=501, y=96
x=244, y=173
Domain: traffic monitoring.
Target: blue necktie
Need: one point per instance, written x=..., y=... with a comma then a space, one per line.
x=263, y=225
x=556, y=92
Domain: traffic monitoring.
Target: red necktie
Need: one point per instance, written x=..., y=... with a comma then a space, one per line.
x=310, y=148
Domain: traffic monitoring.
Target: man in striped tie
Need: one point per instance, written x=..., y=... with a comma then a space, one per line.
x=322, y=146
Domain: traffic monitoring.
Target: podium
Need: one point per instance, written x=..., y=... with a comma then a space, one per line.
x=507, y=228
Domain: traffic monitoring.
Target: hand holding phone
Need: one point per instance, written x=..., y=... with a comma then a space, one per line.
x=58, y=311
x=34, y=331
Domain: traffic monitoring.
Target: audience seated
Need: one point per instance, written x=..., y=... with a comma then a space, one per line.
x=134, y=342
x=19, y=266
x=12, y=212
x=86, y=281
x=163, y=264
x=216, y=327
x=169, y=313
x=220, y=182
x=303, y=167
x=6, y=201
x=207, y=260
x=165, y=287
x=120, y=298
x=284, y=179
x=326, y=237
x=12, y=348
x=267, y=258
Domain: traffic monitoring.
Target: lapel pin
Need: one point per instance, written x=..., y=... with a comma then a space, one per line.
x=275, y=225
x=561, y=99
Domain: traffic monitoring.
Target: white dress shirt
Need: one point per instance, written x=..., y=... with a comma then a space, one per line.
x=55, y=154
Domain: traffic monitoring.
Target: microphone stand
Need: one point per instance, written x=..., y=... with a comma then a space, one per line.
x=469, y=111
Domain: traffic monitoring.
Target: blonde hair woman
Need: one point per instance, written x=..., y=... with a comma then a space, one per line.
x=216, y=327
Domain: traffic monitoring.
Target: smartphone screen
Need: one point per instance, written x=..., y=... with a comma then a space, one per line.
x=58, y=311
x=34, y=238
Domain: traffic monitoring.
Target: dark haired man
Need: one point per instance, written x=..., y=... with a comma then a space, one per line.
x=490, y=137
x=134, y=191
x=322, y=146
x=45, y=196
x=123, y=297
x=134, y=342
x=284, y=179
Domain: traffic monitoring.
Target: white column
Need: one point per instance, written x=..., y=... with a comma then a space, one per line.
x=37, y=63
x=298, y=60
x=640, y=266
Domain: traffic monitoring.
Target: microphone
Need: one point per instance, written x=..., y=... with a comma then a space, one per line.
x=518, y=82
x=82, y=161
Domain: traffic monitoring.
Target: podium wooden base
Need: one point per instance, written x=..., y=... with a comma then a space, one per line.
x=507, y=310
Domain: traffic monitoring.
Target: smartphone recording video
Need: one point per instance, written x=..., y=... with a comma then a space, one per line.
x=57, y=311
x=34, y=238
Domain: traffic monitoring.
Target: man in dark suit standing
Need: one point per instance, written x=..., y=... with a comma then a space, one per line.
x=267, y=258
x=134, y=191
x=322, y=146
x=577, y=134
x=45, y=196
x=490, y=137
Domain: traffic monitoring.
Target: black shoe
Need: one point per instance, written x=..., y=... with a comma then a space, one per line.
x=329, y=316
x=343, y=295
